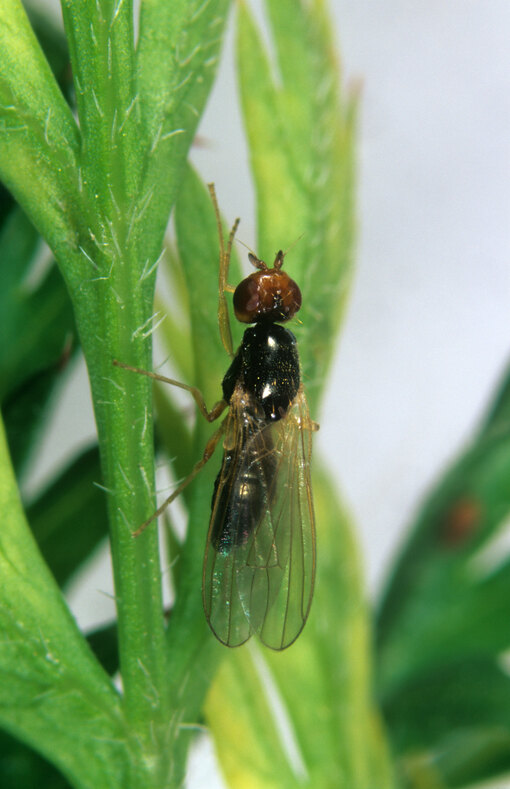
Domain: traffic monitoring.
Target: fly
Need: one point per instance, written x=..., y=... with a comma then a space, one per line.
x=259, y=564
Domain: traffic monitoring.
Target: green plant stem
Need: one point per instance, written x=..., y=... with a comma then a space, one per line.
x=126, y=443
x=101, y=191
x=112, y=304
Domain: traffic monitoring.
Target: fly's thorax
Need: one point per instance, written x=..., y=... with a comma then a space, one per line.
x=270, y=368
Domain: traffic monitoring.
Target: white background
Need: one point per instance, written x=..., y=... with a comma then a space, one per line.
x=427, y=331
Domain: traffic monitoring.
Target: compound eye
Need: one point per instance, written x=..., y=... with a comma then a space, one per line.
x=291, y=299
x=247, y=299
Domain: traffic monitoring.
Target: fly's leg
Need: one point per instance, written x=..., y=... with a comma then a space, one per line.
x=211, y=416
x=196, y=394
x=223, y=319
x=208, y=453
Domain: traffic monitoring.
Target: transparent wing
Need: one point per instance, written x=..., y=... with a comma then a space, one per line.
x=259, y=567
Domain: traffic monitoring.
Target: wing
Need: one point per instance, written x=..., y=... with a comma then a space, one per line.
x=259, y=566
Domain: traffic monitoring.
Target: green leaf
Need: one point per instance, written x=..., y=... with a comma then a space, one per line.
x=174, y=432
x=175, y=335
x=54, y=45
x=175, y=330
x=442, y=621
x=451, y=725
x=32, y=354
x=39, y=135
x=200, y=262
x=468, y=759
x=6, y=203
x=498, y=416
x=20, y=766
x=248, y=740
x=35, y=321
x=69, y=519
x=27, y=409
x=446, y=596
x=101, y=46
x=478, y=756
x=53, y=694
x=177, y=58
x=450, y=702
x=37, y=328
x=18, y=241
x=301, y=127
x=105, y=645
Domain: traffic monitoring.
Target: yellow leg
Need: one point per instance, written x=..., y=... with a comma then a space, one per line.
x=208, y=452
x=211, y=415
x=223, y=319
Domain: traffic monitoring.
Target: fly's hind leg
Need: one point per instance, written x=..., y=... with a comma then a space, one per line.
x=223, y=286
x=211, y=445
x=208, y=453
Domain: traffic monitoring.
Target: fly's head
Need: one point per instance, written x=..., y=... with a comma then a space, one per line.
x=268, y=295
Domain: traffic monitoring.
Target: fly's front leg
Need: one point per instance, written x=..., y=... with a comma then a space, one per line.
x=223, y=286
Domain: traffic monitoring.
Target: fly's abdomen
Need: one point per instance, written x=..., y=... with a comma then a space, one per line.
x=242, y=492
